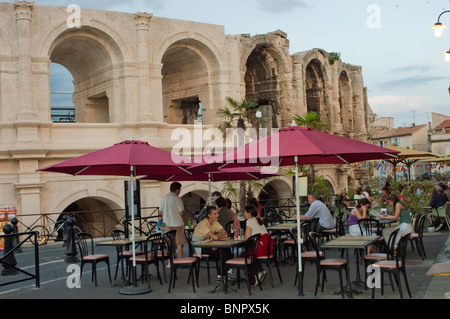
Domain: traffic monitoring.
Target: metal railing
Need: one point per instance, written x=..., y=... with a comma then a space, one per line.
x=5, y=261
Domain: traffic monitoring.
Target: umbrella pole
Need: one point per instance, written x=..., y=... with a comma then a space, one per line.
x=299, y=234
x=209, y=189
x=133, y=289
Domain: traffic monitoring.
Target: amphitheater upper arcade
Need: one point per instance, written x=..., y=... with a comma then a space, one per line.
x=143, y=76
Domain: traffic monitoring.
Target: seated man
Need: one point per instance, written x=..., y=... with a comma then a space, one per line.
x=319, y=210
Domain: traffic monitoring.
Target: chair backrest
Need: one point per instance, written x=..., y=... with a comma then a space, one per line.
x=85, y=244
x=316, y=241
x=314, y=224
x=117, y=234
x=402, y=248
x=421, y=224
x=276, y=237
x=152, y=245
x=390, y=252
x=369, y=226
x=188, y=233
x=151, y=226
x=293, y=233
x=340, y=229
x=228, y=227
x=267, y=221
x=251, y=246
x=169, y=239
x=276, y=218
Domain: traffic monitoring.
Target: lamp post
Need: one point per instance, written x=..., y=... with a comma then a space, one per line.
x=439, y=28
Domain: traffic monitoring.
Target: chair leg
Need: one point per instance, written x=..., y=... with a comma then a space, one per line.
x=192, y=273
x=269, y=268
x=170, y=279
x=341, y=283
x=94, y=272
x=397, y=276
x=406, y=282
x=109, y=271
x=117, y=267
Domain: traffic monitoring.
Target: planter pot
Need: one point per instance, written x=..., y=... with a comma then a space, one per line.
x=431, y=229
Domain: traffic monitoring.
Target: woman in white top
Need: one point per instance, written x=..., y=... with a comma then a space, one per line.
x=254, y=225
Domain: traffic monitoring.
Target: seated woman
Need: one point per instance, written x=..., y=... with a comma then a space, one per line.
x=360, y=211
x=401, y=213
x=210, y=228
x=254, y=226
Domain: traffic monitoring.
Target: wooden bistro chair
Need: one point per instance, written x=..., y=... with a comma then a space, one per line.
x=85, y=244
x=120, y=253
x=148, y=257
x=203, y=257
x=251, y=245
x=324, y=264
x=388, y=255
x=175, y=263
x=417, y=236
x=395, y=266
x=271, y=255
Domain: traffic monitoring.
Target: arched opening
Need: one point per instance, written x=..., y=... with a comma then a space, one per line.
x=186, y=80
x=315, y=93
x=262, y=83
x=96, y=216
x=276, y=193
x=87, y=54
x=345, y=103
x=61, y=92
x=193, y=202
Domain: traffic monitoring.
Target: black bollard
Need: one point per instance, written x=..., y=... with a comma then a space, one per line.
x=9, y=262
x=14, y=223
x=65, y=231
x=71, y=249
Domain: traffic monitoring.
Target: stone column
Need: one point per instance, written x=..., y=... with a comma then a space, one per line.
x=26, y=124
x=142, y=20
x=24, y=14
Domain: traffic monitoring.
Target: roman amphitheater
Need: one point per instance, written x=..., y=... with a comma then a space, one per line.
x=142, y=76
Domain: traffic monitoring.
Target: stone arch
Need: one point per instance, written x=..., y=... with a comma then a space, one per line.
x=97, y=214
x=317, y=75
x=265, y=63
x=190, y=69
x=345, y=102
x=93, y=58
x=274, y=192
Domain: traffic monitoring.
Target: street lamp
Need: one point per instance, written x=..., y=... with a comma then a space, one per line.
x=447, y=56
x=438, y=27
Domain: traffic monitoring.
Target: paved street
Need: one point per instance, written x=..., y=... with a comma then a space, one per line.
x=54, y=279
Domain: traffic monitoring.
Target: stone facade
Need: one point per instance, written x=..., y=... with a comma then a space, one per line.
x=142, y=76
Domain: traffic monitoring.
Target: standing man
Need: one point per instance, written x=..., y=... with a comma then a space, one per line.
x=319, y=210
x=172, y=209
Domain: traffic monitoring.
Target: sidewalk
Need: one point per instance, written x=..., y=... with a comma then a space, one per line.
x=54, y=280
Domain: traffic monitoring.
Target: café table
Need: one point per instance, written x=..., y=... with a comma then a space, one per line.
x=219, y=244
x=351, y=242
x=121, y=243
x=282, y=226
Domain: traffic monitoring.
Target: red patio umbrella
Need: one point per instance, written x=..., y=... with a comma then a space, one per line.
x=128, y=158
x=296, y=145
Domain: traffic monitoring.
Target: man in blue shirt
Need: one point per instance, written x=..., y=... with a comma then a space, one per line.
x=319, y=210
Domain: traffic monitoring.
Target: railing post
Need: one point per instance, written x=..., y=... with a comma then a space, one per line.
x=9, y=261
x=14, y=223
x=71, y=249
x=65, y=238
